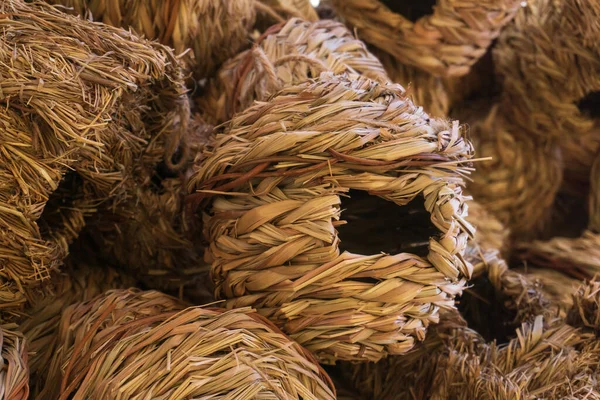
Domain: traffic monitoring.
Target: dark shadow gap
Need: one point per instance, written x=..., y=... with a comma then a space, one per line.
x=375, y=225
x=411, y=10
x=590, y=105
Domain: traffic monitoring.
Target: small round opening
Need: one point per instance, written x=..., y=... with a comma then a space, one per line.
x=411, y=10
x=374, y=225
x=590, y=105
x=484, y=311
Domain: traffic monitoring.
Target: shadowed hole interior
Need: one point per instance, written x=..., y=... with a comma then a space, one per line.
x=411, y=10
x=484, y=312
x=60, y=206
x=375, y=225
x=590, y=105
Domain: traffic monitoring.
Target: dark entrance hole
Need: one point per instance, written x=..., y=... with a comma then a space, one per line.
x=590, y=105
x=411, y=10
x=375, y=225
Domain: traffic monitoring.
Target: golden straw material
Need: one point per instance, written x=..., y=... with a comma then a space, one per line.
x=287, y=54
x=286, y=9
x=213, y=30
x=577, y=257
x=274, y=176
x=491, y=234
x=79, y=282
x=84, y=325
x=14, y=370
x=547, y=68
x=586, y=309
x=519, y=184
x=127, y=348
x=446, y=42
x=87, y=108
x=579, y=153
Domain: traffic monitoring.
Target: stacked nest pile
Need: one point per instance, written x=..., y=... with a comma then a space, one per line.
x=89, y=112
x=127, y=344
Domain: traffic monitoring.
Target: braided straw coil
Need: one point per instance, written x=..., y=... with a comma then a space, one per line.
x=519, y=184
x=287, y=54
x=277, y=171
x=594, y=196
x=287, y=9
x=491, y=234
x=14, y=371
x=445, y=43
x=547, y=68
x=88, y=108
x=214, y=30
x=195, y=353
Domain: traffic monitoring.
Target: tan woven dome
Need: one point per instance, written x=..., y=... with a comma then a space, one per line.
x=88, y=108
x=277, y=171
x=287, y=54
x=214, y=30
x=130, y=345
x=446, y=42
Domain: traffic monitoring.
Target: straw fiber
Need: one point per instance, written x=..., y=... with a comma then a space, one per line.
x=214, y=30
x=548, y=66
x=446, y=42
x=586, y=310
x=286, y=54
x=129, y=345
x=14, y=371
x=273, y=178
x=519, y=184
x=287, y=9
x=491, y=234
x=88, y=109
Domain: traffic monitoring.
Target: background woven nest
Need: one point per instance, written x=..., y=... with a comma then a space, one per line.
x=491, y=234
x=214, y=30
x=545, y=359
x=286, y=54
x=14, y=370
x=520, y=182
x=270, y=12
x=445, y=42
x=278, y=170
x=88, y=109
x=549, y=67
x=128, y=343
x=78, y=282
x=148, y=235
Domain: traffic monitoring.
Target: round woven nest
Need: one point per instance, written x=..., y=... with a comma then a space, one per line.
x=286, y=54
x=548, y=66
x=131, y=345
x=447, y=42
x=214, y=30
x=519, y=184
x=275, y=175
x=87, y=109
x=14, y=370
x=544, y=358
x=77, y=282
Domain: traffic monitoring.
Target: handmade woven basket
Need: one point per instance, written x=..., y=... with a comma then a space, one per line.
x=519, y=184
x=447, y=42
x=88, y=108
x=122, y=346
x=14, y=370
x=287, y=54
x=214, y=30
x=548, y=67
x=275, y=175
